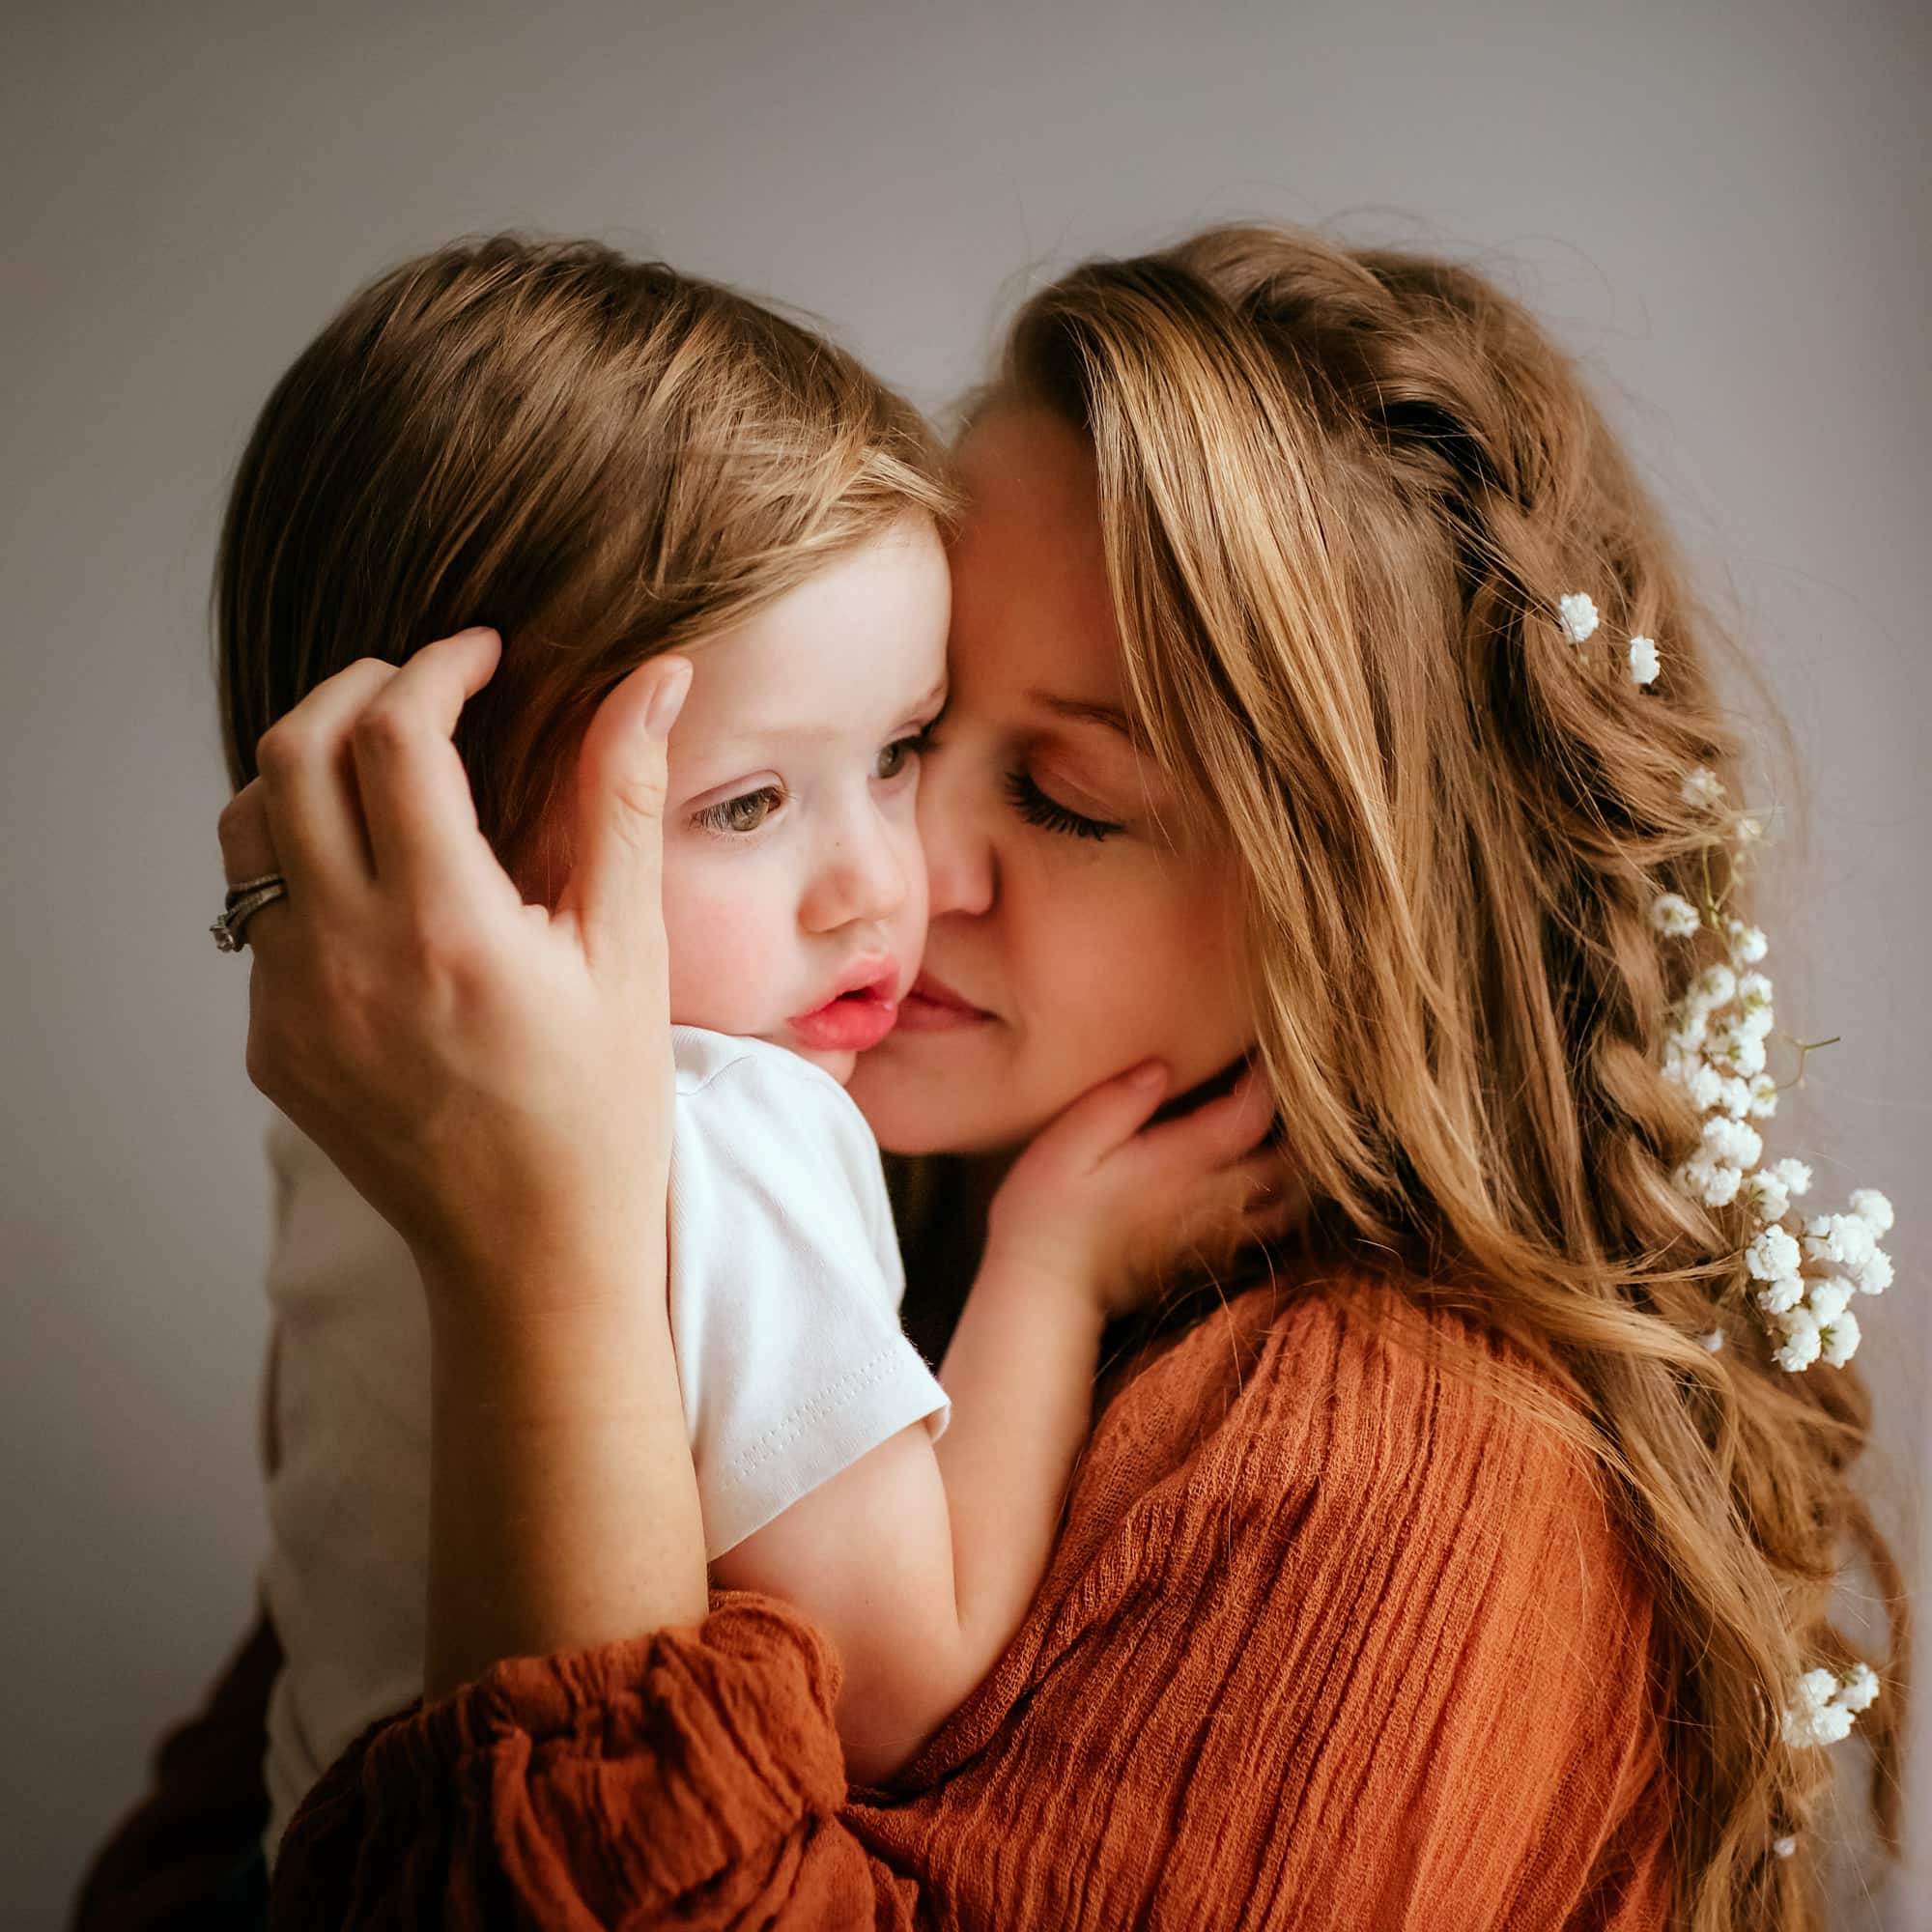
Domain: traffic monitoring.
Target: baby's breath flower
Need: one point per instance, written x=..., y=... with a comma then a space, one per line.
x=1859, y=1689
x=1870, y=1205
x=1767, y=1195
x=1800, y=1346
x=1690, y=1033
x=1839, y=1339
x=1749, y=830
x=1714, y=986
x=1674, y=916
x=1781, y=1295
x=1844, y=1238
x=1795, y=1175
x=1579, y=616
x=1703, y=1083
x=1701, y=786
x=1644, y=660
x=1829, y=1298
x=1822, y=1709
x=1712, y=1183
x=1782, y=1848
x=1747, y=943
x=1741, y=1046
x=1763, y=1097
x=1734, y=1141
x=1875, y=1278
x=1773, y=1256
x=1712, y=1341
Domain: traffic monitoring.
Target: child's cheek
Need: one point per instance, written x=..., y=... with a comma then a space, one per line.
x=731, y=947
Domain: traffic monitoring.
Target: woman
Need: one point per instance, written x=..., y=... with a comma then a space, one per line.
x=1439, y=1570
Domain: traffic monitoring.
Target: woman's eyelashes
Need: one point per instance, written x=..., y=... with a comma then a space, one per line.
x=1036, y=809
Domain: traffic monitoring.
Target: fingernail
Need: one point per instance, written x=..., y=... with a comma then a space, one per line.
x=667, y=701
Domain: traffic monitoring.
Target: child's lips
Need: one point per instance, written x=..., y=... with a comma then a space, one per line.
x=853, y=1019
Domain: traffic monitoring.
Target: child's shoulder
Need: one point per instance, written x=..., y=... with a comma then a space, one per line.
x=758, y=1108
x=705, y=1060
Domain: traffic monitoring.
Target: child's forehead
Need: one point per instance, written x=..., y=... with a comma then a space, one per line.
x=775, y=690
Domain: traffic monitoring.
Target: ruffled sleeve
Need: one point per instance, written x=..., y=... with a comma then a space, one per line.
x=692, y=1777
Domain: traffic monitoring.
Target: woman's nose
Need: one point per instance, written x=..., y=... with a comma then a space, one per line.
x=960, y=873
x=860, y=879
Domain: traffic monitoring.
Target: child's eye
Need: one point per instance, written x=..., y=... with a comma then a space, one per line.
x=901, y=752
x=1036, y=809
x=744, y=813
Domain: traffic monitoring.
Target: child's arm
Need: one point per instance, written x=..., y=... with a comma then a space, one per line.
x=920, y=1558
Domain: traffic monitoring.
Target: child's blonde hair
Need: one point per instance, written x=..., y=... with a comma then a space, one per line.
x=599, y=457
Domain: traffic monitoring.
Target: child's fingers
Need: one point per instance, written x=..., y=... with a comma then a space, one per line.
x=1102, y=1118
x=1253, y=1202
x=1217, y=1131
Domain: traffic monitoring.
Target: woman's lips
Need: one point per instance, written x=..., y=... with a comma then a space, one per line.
x=932, y=1007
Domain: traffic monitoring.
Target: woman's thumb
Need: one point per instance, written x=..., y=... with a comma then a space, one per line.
x=620, y=797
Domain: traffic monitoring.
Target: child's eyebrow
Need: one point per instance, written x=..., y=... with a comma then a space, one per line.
x=763, y=733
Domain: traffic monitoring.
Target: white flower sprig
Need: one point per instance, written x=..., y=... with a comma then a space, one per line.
x=1822, y=1710
x=1804, y=1278
x=1577, y=612
x=1579, y=616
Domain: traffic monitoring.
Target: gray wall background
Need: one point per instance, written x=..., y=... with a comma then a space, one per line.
x=1721, y=206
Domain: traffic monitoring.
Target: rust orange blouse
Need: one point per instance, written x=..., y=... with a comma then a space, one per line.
x=1333, y=1637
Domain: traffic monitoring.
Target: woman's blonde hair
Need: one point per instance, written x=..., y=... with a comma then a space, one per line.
x=1342, y=492
x=601, y=458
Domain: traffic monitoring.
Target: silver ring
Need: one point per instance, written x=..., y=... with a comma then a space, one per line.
x=244, y=902
x=236, y=893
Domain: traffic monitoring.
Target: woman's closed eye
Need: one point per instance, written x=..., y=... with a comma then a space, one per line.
x=1038, y=808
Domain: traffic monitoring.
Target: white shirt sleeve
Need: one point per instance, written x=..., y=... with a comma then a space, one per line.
x=785, y=1283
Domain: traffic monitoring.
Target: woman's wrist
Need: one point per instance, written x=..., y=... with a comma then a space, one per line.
x=563, y=1509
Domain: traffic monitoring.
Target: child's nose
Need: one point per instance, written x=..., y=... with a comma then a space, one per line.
x=862, y=879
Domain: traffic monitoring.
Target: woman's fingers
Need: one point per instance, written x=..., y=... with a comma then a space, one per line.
x=248, y=846
x=415, y=797
x=309, y=786
x=248, y=850
x=616, y=889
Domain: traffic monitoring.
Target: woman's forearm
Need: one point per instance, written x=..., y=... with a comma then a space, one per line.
x=1020, y=1373
x=563, y=1506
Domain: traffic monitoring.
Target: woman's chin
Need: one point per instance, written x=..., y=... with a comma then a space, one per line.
x=916, y=1104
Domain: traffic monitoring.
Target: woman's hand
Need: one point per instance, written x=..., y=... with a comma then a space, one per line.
x=493, y=1076
x=1107, y=1203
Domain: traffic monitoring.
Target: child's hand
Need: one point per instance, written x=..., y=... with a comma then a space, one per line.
x=1111, y=1206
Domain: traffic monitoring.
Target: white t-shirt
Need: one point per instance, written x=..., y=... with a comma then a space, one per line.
x=784, y=1289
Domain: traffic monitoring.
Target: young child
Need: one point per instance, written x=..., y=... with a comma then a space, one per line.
x=605, y=460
